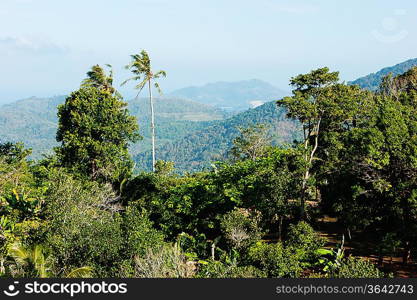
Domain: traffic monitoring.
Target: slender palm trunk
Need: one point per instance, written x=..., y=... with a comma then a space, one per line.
x=152, y=124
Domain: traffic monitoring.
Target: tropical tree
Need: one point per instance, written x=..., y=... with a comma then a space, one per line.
x=252, y=143
x=141, y=67
x=325, y=108
x=306, y=105
x=95, y=129
x=371, y=185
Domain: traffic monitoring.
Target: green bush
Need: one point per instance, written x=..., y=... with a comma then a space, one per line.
x=139, y=233
x=275, y=259
x=304, y=240
x=84, y=227
x=240, y=228
x=356, y=268
x=196, y=245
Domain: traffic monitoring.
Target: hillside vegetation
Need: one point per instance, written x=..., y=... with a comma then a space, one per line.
x=199, y=149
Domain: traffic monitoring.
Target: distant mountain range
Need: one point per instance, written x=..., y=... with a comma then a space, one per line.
x=232, y=96
x=373, y=80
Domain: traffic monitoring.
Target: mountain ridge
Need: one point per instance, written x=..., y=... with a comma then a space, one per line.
x=232, y=95
x=373, y=80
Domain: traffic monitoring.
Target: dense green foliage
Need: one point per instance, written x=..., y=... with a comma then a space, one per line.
x=356, y=268
x=95, y=130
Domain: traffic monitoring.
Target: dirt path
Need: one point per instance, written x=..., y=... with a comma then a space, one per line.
x=329, y=229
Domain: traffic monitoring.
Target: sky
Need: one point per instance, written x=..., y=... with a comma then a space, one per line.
x=47, y=46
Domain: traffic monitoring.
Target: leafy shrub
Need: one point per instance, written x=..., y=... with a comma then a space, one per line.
x=275, y=259
x=84, y=227
x=329, y=260
x=303, y=239
x=389, y=244
x=139, y=233
x=196, y=245
x=356, y=268
x=240, y=228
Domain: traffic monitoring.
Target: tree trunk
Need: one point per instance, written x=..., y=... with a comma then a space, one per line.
x=152, y=125
x=407, y=253
x=303, y=194
x=280, y=228
x=309, y=160
x=306, y=174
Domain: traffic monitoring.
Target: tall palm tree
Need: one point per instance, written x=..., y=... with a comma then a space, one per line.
x=140, y=66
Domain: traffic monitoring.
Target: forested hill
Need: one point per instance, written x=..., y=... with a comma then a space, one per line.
x=372, y=81
x=233, y=96
x=199, y=149
x=174, y=118
x=34, y=121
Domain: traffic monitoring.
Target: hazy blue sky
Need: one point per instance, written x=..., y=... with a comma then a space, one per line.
x=46, y=46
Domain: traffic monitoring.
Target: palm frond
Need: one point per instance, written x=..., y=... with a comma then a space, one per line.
x=19, y=253
x=158, y=88
x=160, y=73
x=82, y=272
x=141, y=85
x=134, y=78
x=118, y=95
x=110, y=71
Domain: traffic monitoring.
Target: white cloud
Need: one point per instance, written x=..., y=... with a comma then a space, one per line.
x=31, y=45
